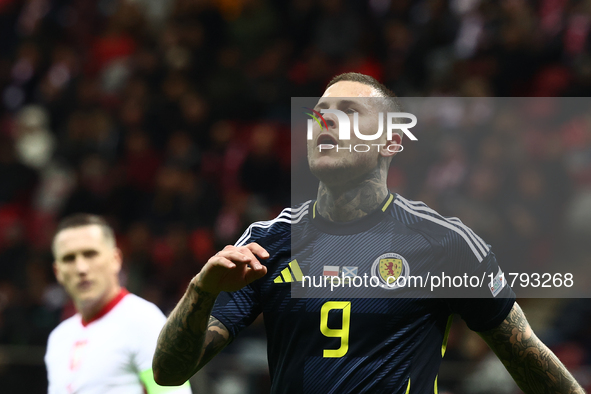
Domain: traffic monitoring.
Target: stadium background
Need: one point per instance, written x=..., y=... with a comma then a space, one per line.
x=171, y=119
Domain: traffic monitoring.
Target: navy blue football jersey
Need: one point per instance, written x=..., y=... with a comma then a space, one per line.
x=380, y=336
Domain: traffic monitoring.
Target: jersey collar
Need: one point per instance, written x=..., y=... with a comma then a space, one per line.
x=354, y=226
x=107, y=308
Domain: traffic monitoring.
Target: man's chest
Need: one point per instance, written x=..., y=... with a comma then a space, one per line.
x=374, y=264
x=357, y=281
x=85, y=359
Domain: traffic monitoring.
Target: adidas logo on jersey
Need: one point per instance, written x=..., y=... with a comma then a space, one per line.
x=291, y=273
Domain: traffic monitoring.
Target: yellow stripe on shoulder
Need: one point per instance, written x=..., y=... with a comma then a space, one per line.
x=387, y=203
x=450, y=320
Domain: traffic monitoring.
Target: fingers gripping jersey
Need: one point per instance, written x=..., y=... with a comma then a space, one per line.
x=325, y=344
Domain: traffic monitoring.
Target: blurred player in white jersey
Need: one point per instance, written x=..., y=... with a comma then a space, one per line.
x=107, y=347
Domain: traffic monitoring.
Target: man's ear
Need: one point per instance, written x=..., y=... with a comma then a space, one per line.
x=57, y=274
x=392, y=147
x=118, y=259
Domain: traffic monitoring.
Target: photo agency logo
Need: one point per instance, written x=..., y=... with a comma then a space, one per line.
x=345, y=130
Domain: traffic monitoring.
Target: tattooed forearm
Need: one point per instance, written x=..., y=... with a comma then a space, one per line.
x=189, y=339
x=343, y=203
x=532, y=365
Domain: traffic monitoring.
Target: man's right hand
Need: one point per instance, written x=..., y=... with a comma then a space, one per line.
x=191, y=337
x=232, y=268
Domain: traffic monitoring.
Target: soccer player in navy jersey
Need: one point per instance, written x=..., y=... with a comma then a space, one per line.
x=357, y=345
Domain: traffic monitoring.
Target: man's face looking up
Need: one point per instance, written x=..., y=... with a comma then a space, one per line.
x=340, y=166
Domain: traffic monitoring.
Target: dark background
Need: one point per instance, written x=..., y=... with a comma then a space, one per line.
x=172, y=120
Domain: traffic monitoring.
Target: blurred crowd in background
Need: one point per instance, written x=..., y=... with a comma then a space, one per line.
x=171, y=119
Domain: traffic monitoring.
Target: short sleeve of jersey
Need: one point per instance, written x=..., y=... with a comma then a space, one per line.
x=237, y=310
x=482, y=307
x=51, y=389
x=148, y=324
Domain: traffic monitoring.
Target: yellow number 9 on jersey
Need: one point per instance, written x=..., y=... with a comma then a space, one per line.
x=342, y=332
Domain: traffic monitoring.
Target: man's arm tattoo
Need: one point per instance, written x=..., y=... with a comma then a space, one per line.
x=532, y=365
x=189, y=339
